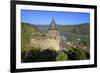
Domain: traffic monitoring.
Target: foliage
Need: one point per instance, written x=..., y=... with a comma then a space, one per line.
x=61, y=56
x=38, y=55
x=78, y=54
x=23, y=54
x=85, y=41
x=26, y=33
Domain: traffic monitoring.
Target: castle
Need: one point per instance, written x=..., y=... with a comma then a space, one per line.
x=52, y=40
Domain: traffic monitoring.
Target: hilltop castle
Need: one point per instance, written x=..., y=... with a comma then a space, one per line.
x=52, y=40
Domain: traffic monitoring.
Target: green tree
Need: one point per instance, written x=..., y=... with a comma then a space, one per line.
x=23, y=55
x=78, y=54
x=38, y=55
x=62, y=56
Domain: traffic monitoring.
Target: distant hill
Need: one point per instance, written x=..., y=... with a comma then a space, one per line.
x=81, y=29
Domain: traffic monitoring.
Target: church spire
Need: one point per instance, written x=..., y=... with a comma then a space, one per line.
x=52, y=25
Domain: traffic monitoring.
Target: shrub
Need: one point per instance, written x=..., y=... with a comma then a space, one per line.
x=62, y=56
x=78, y=54
x=38, y=55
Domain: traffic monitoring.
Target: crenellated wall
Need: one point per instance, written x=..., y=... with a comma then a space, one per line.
x=46, y=43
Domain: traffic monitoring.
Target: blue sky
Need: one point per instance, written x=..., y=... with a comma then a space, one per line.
x=45, y=17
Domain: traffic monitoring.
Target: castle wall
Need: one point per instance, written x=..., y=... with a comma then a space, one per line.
x=45, y=43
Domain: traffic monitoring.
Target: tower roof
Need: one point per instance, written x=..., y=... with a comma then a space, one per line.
x=52, y=25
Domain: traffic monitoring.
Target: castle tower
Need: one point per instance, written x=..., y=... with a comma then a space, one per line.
x=52, y=31
x=51, y=41
x=53, y=25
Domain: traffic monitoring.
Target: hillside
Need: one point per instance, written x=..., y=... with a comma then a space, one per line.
x=26, y=32
x=80, y=29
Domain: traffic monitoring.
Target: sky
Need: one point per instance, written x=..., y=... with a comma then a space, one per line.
x=62, y=18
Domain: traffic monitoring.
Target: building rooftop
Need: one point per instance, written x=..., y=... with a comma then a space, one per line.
x=52, y=25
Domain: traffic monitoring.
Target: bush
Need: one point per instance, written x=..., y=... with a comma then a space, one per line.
x=23, y=56
x=49, y=55
x=61, y=56
x=78, y=54
x=37, y=55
